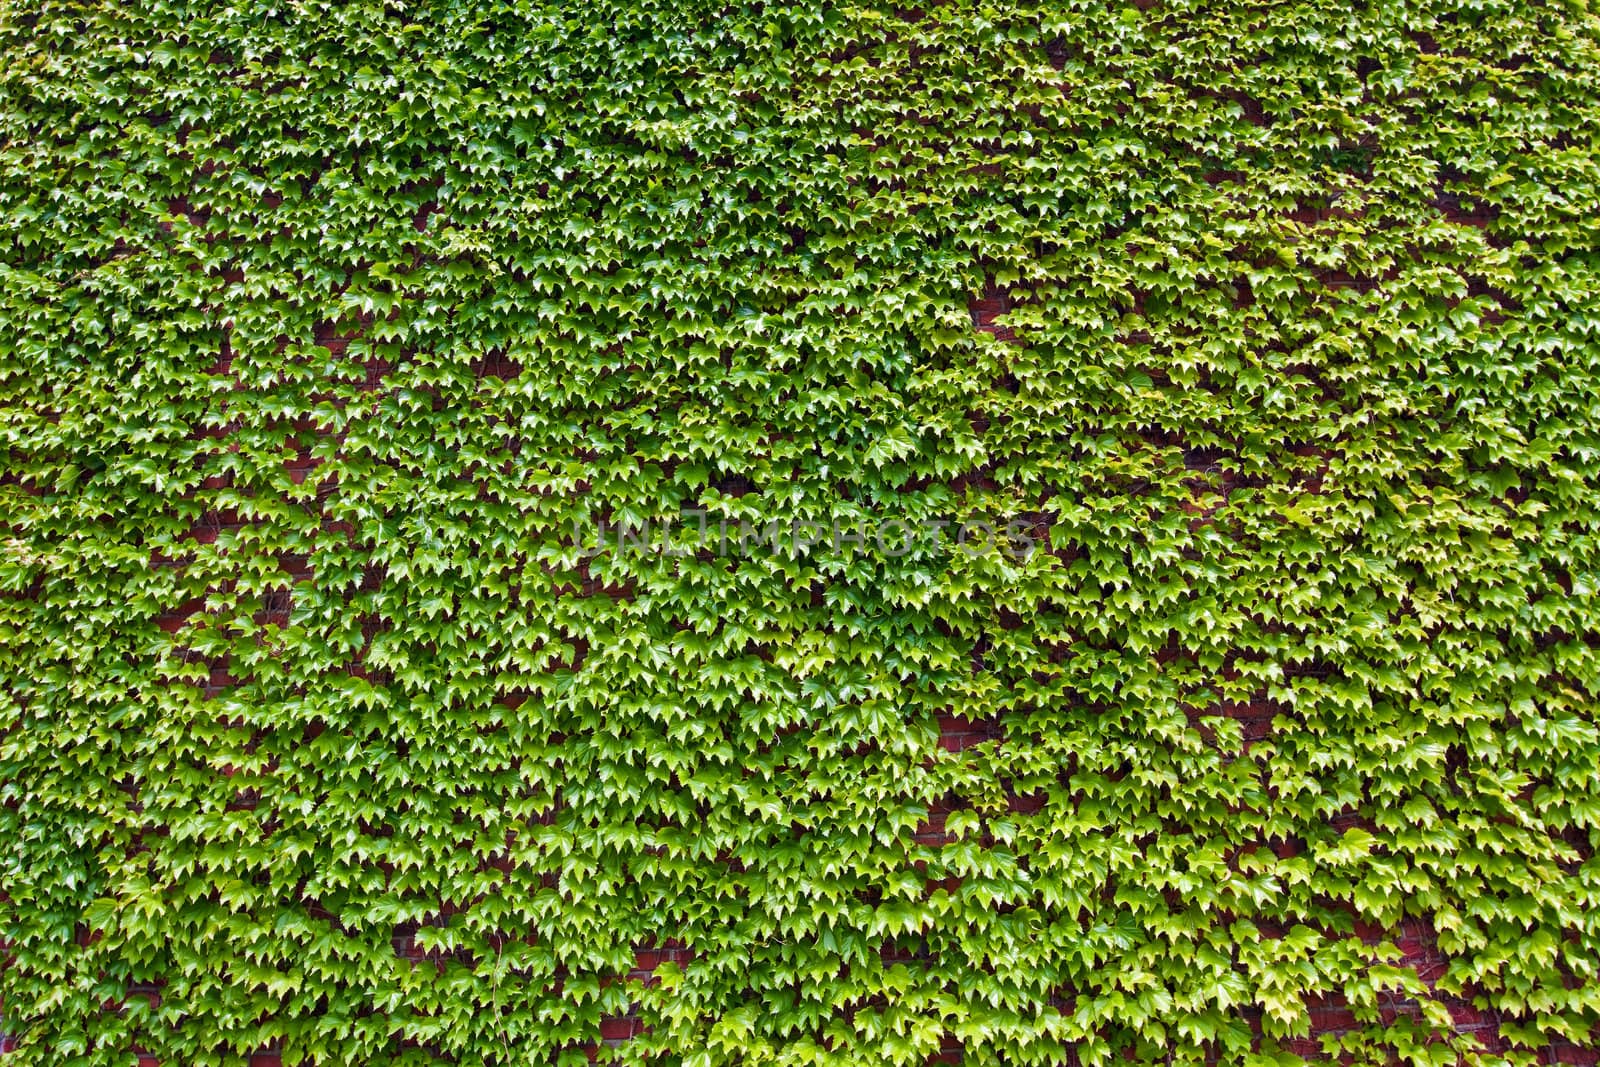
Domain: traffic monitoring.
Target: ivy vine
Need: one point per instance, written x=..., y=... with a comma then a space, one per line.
x=326, y=328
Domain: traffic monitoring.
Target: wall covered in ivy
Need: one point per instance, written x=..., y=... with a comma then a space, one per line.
x=775, y=534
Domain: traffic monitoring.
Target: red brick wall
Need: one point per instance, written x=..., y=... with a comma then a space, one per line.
x=1329, y=1017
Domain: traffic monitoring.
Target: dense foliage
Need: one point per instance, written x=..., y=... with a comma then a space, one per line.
x=326, y=331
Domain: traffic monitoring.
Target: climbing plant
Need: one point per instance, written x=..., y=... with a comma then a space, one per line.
x=343, y=344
